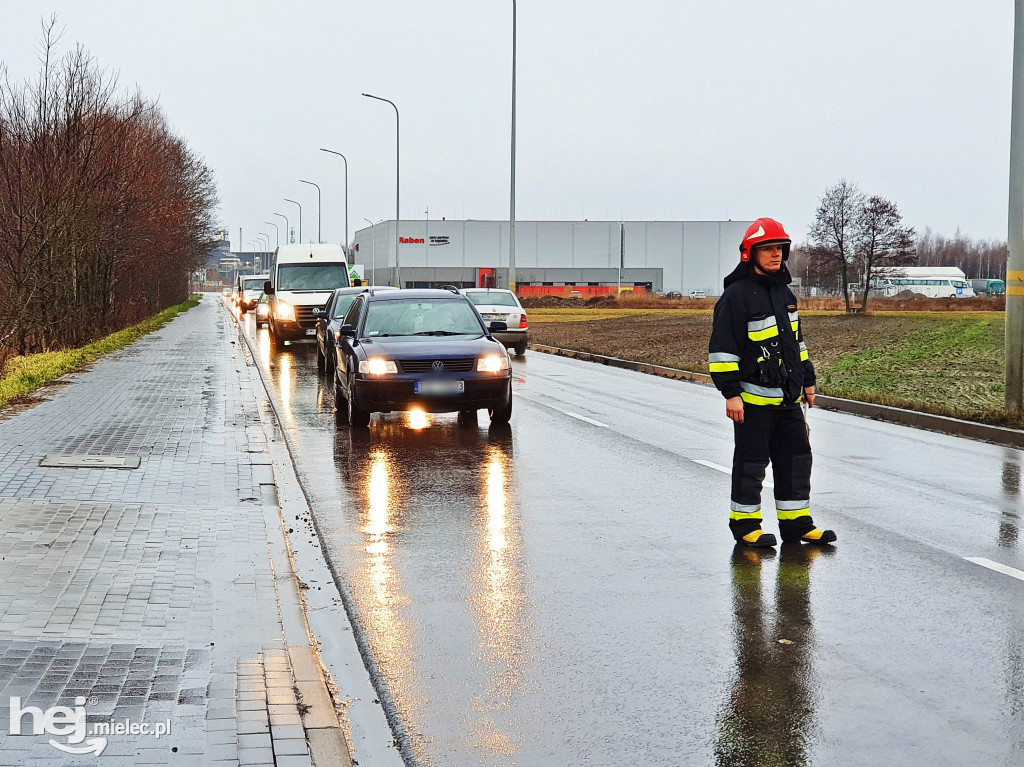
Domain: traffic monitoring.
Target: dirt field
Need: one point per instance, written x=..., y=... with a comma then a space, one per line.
x=949, y=363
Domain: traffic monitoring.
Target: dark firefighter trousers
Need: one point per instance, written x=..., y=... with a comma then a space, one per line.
x=777, y=435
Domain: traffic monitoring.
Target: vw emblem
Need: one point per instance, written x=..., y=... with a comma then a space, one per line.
x=438, y=366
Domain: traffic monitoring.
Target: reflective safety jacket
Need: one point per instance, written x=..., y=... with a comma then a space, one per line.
x=757, y=350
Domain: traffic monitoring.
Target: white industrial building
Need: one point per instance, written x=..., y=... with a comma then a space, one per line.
x=665, y=256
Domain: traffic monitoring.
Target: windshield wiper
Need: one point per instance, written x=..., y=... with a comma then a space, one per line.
x=439, y=333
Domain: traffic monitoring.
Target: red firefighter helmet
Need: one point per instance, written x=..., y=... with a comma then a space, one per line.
x=762, y=232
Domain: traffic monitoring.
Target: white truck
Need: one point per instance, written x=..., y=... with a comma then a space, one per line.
x=301, y=279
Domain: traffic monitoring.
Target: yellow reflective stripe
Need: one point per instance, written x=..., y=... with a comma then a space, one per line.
x=804, y=356
x=754, y=399
x=761, y=335
x=743, y=515
x=795, y=325
x=1014, y=290
x=794, y=514
x=723, y=367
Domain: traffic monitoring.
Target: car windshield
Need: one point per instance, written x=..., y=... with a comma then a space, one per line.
x=312, y=276
x=492, y=298
x=421, y=317
x=341, y=306
x=256, y=284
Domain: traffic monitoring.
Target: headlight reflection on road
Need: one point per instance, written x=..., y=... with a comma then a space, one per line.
x=383, y=598
x=284, y=366
x=499, y=602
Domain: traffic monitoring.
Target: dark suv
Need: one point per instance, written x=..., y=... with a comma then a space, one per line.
x=426, y=349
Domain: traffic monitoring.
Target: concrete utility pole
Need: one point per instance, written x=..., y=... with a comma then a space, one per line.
x=512, y=192
x=398, y=179
x=1015, y=239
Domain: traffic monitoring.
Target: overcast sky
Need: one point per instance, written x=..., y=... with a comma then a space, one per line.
x=650, y=109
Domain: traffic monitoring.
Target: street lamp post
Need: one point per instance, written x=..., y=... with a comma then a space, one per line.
x=277, y=232
x=398, y=140
x=622, y=255
x=287, y=229
x=512, y=192
x=319, y=214
x=331, y=151
x=300, y=217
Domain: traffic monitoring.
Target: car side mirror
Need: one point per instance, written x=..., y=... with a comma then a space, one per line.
x=349, y=331
x=497, y=326
x=268, y=288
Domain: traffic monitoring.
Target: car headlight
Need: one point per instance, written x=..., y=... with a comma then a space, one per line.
x=493, y=363
x=377, y=367
x=285, y=311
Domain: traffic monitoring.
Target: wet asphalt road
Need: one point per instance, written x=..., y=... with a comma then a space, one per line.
x=565, y=592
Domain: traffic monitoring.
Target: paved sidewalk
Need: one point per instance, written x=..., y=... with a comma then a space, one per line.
x=147, y=594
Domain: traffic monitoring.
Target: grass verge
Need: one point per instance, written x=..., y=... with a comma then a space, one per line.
x=945, y=363
x=23, y=375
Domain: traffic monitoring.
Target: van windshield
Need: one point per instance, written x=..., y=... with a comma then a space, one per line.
x=256, y=284
x=312, y=276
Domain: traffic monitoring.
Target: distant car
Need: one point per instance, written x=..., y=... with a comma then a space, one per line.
x=698, y=294
x=329, y=320
x=252, y=289
x=226, y=292
x=425, y=349
x=497, y=305
x=262, y=310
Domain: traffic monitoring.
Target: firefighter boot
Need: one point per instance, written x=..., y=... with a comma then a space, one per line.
x=802, y=530
x=751, y=534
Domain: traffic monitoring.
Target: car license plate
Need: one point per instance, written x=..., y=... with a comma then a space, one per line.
x=311, y=332
x=439, y=387
x=494, y=317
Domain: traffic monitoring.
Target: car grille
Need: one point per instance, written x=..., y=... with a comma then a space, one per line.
x=427, y=366
x=304, y=316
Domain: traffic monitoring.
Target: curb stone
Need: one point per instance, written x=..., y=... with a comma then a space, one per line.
x=365, y=731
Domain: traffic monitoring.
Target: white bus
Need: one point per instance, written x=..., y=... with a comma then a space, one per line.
x=931, y=281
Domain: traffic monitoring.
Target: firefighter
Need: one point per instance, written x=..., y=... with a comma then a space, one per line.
x=759, y=362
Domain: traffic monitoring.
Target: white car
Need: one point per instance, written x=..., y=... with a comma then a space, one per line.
x=497, y=305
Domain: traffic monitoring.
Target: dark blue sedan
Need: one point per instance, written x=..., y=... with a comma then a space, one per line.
x=329, y=320
x=419, y=349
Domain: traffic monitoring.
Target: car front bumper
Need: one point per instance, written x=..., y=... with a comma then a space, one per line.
x=397, y=393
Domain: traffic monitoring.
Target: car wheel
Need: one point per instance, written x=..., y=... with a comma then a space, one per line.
x=340, y=404
x=332, y=364
x=520, y=349
x=321, y=362
x=468, y=417
x=503, y=413
x=357, y=416
x=275, y=339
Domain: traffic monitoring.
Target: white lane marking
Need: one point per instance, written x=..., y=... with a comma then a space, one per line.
x=1013, y=572
x=727, y=470
x=584, y=418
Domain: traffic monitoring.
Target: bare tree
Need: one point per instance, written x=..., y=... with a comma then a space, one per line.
x=882, y=241
x=833, y=235
x=104, y=213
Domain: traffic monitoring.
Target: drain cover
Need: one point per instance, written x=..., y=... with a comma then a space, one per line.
x=91, y=461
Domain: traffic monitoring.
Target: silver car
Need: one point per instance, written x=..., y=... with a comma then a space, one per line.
x=497, y=305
